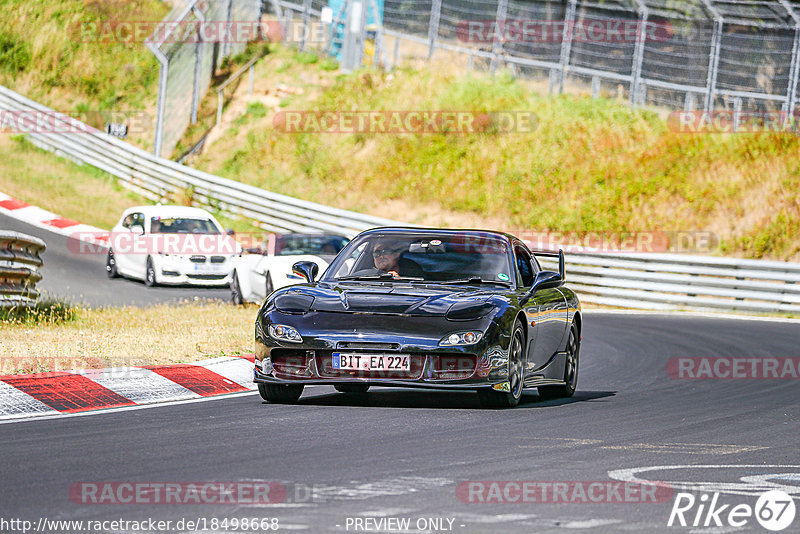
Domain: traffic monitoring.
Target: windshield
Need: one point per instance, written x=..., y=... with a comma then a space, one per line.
x=318, y=245
x=160, y=225
x=468, y=257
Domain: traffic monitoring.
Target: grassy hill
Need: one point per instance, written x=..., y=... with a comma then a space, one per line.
x=590, y=165
x=45, y=56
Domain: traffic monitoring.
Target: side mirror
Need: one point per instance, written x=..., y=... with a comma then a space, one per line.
x=306, y=269
x=137, y=229
x=545, y=280
x=230, y=232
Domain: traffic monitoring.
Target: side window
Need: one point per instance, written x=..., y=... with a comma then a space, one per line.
x=127, y=222
x=524, y=266
x=138, y=218
x=348, y=265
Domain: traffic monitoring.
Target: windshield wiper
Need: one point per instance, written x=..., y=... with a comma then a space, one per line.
x=475, y=281
x=384, y=276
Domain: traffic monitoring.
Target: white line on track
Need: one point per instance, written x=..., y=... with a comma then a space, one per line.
x=127, y=408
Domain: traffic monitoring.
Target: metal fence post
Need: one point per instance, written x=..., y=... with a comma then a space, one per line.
x=791, y=93
x=794, y=71
x=638, y=52
x=689, y=102
x=713, y=61
x=226, y=45
x=198, y=54
x=306, y=19
x=566, y=41
x=163, y=72
x=433, y=26
x=497, y=41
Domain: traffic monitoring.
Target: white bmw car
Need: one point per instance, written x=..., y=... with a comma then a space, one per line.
x=260, y=271
x=171, y=245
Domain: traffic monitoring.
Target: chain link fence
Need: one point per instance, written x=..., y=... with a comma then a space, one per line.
x=678, y=54
x=190, y=44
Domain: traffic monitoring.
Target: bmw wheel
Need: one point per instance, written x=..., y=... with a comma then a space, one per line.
x=111, y=265
x=236, y=290
x=150, y=274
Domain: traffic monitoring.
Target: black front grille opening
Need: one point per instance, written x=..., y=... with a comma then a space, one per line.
x=291, y=363
x=452, y=367
x=217, y=259
x=197, y=259
x=207, y=276
x=366, y=345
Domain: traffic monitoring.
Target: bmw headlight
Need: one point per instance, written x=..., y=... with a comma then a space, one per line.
x=284, y=333
x=461, y=338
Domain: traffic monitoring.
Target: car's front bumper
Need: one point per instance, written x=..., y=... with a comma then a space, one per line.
x=482, y=365
x=182, y=271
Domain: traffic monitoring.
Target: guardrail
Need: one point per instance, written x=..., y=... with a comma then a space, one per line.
x=160, y=179
x=19, y=268
x=671, y=282
x=644, y=281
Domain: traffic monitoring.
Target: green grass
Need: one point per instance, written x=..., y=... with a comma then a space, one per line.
x=590, y=165
x=46, y=310
x=79, y=192
x=50, y=53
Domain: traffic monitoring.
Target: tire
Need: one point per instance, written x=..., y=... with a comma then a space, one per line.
x=358, y=389
x=491, y=398
x=236, y=290
x=280, y=393
x=150, y=273
x=269, y=288
x=570, y=370
x=111, y=265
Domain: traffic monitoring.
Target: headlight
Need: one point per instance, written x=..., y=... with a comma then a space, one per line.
x=461, y=338
x=284, y=333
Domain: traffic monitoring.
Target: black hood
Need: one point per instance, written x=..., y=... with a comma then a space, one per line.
x=394, y=299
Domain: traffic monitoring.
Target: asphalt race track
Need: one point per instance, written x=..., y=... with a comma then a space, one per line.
x=82, y=277
x=403, y=453
x=410, y=454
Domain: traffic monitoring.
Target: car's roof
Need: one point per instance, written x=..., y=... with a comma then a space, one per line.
x=438, y=231
x=170, y=211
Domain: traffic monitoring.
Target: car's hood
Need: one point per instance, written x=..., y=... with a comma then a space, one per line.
x=405, y=299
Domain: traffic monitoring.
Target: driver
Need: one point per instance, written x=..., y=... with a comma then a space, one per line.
x=386, y=254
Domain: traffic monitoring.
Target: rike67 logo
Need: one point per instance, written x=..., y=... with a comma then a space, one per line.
x=774, y=510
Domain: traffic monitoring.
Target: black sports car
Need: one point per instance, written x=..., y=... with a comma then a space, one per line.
x=426, y=308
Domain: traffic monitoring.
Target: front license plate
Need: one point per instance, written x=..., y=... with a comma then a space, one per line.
x=208, y=269
x=371, y=362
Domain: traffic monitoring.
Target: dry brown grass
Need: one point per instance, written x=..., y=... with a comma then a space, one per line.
x=113, y=337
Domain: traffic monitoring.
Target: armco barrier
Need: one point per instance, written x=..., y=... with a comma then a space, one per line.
x=19, y=268
x=630, y=280
x=671, y=281
x=160, y=179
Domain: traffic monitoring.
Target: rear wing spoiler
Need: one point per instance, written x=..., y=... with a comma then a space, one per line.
x=550, y=254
